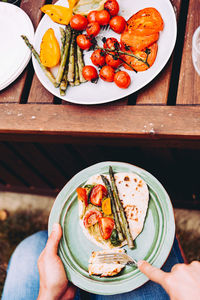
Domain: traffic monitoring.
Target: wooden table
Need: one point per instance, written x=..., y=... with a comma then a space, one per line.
x=165, y=113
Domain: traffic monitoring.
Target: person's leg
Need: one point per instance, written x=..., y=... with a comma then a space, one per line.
x=22, y=281
x=150, y=290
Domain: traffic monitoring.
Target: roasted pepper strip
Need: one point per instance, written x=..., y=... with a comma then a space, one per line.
x=57, y=13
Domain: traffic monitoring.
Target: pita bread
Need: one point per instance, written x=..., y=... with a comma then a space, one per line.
x=134, y=196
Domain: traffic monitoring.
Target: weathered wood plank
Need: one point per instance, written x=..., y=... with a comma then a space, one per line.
x=189, y=81
x=122, y=123
x=13, y=93
x=157, y=91
x=38, y=94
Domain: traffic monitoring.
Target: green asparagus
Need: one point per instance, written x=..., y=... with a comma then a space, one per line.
x=71, y=65
x=63, y=39
x=36, y=55
x=114, y=209
x=81, y=64
x=64, y=56
x=124, y=224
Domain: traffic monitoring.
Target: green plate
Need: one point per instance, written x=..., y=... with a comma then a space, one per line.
x=153, y=244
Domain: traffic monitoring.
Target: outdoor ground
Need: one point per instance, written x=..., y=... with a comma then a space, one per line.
x=25, y=214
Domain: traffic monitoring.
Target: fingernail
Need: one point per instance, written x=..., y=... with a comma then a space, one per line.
x=55, y=226
x=140, y=262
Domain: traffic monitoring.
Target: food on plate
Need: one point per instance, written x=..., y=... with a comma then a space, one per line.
x=102, y=17
x=98, y=58
x=113, y=60
x=145, y=58
x=107, y=73
x=90, y=73
x=137, y=42
x=122, y=79
x=112, y=208
x=140, y=37
x=84, y=7
x=104, y=269
x=84, y=41
x=49, y=49
x=117, y=24
x=57, y=13
x=92, y=16
x=93, y=29
x=37, y=57
x=145, y=22
x=78, y=22
x=136, y=51
x=112, y=7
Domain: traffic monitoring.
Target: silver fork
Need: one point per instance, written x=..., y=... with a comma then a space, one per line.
x=114, y=257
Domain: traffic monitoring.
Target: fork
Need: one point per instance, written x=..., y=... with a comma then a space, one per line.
x=105, y=27
x=114, y=257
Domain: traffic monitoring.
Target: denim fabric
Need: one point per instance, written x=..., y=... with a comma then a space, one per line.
x=22, y=281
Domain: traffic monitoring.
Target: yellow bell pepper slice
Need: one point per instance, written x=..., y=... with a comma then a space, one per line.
x=49, y=49
x=106, y=206
x=59, y=14
x=72, y=3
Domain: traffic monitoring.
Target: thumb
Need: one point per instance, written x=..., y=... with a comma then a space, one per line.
x=152, y=272
x=54, y=239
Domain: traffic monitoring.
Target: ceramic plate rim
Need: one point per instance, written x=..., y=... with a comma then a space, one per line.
x=27, y=53
x=167, y=242
x=127, y=92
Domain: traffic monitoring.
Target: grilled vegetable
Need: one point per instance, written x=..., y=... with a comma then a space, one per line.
x=106, y=206
x=57, y=13
x=125, y=225
x=36, y=55
x=71, y=64
x=64, y=56
x=81, y=64
x=49, y=49
x=114, y=208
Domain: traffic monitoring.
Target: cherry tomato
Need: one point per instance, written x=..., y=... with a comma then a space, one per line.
x=92, y=16
x=98, y=57
x=84, y=41
x=78, y=22
x=103, y=17
x=122, y=79
x=92, y=217
x=93, y=29
x=107, y=73
x=112, y=7
x=106, y=226
x=82, y=195
x=113, y=60
x=90, y=73
x=117, y=24
x=97, y=194
x=111, y=43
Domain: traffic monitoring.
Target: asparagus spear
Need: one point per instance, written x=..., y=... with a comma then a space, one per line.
x=81, y=64
x=114, y=210
x=63, y=84
x=64, y=57
x=124, y=225
x=71, y=65
x=77, y=79
x=36, y=55
x=63, y=39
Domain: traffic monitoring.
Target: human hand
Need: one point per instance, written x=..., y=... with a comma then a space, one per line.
x=54, y=284
x=182, y=283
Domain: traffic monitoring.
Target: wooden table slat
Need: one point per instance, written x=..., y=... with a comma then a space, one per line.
x=189, y=80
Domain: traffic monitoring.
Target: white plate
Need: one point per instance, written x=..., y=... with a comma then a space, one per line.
x=102, y=92
x=14, y=54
